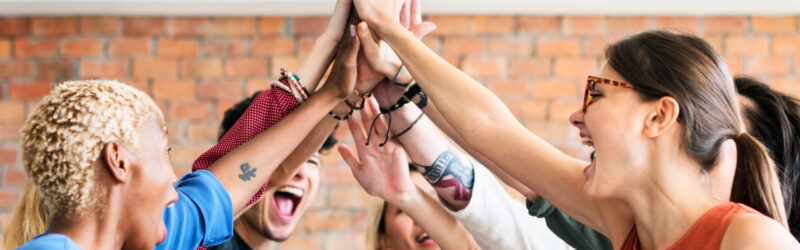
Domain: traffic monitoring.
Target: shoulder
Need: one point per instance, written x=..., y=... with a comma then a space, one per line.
x=756, y=231
x=50, y=241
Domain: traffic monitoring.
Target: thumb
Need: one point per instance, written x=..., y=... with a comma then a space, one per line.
x=423, y=29
x=348, y=155
x=368, y=41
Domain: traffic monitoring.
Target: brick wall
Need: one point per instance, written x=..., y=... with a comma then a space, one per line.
x=195, y=68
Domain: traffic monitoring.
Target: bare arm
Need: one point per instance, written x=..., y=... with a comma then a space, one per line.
x=493, y=131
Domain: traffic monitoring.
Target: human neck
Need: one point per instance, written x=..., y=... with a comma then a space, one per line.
x=669, y=201
x=89, y=231
x=252, y=237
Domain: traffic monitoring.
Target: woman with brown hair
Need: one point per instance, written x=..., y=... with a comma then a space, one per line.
x=656, y=114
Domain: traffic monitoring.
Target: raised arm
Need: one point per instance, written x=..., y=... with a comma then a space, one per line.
x=383, y=172
x=486, y=124
x=244, y=170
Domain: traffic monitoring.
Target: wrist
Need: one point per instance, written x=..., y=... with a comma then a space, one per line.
x=407, y=199
x=326, y=41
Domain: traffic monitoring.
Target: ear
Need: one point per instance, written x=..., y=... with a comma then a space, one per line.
x=383, y=242
x=662, y=117
x=115, y=159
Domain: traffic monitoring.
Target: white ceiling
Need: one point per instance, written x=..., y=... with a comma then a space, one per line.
x=323, y=7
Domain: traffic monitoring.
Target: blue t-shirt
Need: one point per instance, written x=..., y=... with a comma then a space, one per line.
x=203, y=216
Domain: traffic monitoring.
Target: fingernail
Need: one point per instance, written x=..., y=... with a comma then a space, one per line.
x=352, y=30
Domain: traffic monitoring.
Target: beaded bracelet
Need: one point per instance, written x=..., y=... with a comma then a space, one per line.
x=340, y=118
x=293, y=82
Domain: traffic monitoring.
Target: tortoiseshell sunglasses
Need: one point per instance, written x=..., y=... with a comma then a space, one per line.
x=591, y=81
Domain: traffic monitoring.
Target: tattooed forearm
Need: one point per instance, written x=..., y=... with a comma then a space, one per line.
x=247, y=172
x=448, y=171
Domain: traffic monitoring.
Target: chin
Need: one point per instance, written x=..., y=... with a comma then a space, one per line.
x=280, y=236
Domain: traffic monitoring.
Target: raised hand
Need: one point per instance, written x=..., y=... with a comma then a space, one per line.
x=343, y=74
x=338, y=21
x=381, y=171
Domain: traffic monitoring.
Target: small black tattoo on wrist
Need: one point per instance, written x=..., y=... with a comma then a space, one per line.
x=247, y=172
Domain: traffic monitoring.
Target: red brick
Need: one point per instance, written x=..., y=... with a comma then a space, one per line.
x=550, y=131
x=561, y=110
x=334, y=239
x=14, y=26
x=12, y=112
x=554, y=89
x=528, y=109
x=683, y=24
x=508, y=88
x=187, y=154
x=596, y=46
x=129, y=47
x=223, y=106
x=272, y=46
x=736, y=46
x=510, y=47
x=539, y=25
x=584, y=26
x=734, y=65
x=271, y=25
x=336, y=175
x=318, y=221
x=34, y=47
x=8, y=155
x=451, y=25
x=725, y=25
x=234, y=26
x=789, y=45
x=155, y=68
x=192, y=111
x=229, y=90
x=203, y=132
x=8, y=198
x=348, y=197
x=54, y=26
x=177, y=48
x=253, y=85
x=175, y=131
x=99, y=25
x=278, y=62
x=558, y=47
x=5, y=48
x=224, y=47
x=28, y=91
x=775, y=65
x=774, y=25
x=174, y=90
x=715, y=41
x=478, y=67
x=628, y=25
x=16, y=68
x=201, y=68
x=55, y=70
x=13, y=177
x=10, y=131
x=529, y=67
x=141, y=85
x=304, y=45
x=76, y=47
x=312, y=25
x=113, y=68
x=144, y=25
x=575, y=67
x=245, y=67
x=458, y=46
x=189, y=26
x=494, y=25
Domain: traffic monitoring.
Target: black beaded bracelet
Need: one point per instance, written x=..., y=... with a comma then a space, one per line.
x=340, y=118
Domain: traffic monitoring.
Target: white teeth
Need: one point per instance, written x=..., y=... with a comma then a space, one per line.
x=170, y=204
x=296, y=192
x=423, y=236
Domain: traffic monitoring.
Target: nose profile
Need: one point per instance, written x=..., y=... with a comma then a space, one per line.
x=576, y=118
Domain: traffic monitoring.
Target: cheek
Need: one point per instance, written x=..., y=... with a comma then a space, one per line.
x=399, y=228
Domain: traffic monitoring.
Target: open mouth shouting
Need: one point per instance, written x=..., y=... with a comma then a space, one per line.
x=423, y=239
x=287, y=199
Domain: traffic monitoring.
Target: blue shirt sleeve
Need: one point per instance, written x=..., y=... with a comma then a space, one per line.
x=203, y=215
x=50, y=242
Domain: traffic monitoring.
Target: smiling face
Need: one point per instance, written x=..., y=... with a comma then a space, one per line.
x=276, y=215
x=151, y=188
x=402, y=233
x=612, y=125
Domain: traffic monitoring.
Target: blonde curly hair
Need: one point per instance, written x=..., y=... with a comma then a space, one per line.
x=67, y=131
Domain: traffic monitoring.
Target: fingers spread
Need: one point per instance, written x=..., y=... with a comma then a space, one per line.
x=357, y=131
x=348, y=155
x=423, y=29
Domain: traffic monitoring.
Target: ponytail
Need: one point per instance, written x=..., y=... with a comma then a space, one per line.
x=756, y=183
x=29, y=219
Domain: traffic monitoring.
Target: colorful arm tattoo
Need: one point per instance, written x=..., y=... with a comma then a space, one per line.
x=448, y=171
